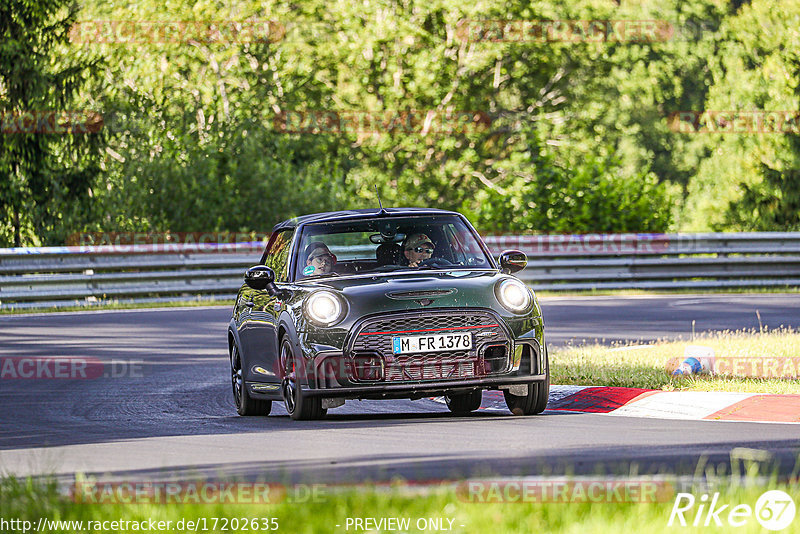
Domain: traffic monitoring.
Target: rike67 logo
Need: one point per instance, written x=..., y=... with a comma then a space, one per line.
x=774, y=510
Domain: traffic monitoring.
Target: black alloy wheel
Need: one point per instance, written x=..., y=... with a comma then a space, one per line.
x=300, y=407
x=535, y=401
x=245, y=404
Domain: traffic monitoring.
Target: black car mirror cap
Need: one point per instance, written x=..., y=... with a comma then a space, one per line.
x=512, y=261
x=262, y=278
x=259, y=277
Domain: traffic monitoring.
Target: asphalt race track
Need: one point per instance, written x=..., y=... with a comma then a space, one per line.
x=165, y=410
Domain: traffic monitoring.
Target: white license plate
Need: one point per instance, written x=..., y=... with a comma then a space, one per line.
x=431, y=343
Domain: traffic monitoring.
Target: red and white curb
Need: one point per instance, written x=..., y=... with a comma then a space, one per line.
x=653, y=403
x=690, y=405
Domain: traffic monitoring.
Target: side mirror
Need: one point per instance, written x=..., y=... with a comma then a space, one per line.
x=259, y=277
x=262, y=278
x=512, y=261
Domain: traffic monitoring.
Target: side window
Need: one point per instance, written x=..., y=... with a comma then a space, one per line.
x=278, y=255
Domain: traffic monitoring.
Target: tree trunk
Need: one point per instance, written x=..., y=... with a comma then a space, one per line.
x=17, y=240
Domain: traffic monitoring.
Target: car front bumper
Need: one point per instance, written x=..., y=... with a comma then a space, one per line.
x=421, y=389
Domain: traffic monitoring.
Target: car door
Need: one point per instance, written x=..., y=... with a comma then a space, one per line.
x=259, y=334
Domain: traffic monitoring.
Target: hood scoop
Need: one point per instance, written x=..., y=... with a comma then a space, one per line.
x=420, y=295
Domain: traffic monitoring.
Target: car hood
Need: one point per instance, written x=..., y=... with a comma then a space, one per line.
x=367, y=295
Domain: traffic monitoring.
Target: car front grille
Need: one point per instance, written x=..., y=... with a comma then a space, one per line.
x=433, y=367
x=490, y=342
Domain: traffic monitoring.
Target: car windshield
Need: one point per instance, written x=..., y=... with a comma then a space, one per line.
x=387, y=244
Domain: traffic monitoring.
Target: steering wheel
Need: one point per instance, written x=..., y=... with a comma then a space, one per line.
x=435, y=262
x=473, y=261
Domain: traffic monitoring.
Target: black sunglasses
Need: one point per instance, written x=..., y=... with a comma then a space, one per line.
x=421, y=250
x=322, y=257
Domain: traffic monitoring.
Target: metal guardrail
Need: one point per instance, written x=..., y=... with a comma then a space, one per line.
x=658, y=261
x=61, y=276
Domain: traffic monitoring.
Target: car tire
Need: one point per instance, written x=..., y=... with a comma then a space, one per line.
x=245, y=404
x=535, y=401
x=464, y=403
x=299, y=406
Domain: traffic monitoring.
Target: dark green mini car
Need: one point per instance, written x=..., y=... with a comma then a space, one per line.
x=382, y=304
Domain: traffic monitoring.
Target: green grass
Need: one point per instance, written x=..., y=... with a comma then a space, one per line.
x=29, y=500
x=650, y=366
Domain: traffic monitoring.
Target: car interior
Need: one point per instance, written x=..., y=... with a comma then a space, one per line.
x=388, y=254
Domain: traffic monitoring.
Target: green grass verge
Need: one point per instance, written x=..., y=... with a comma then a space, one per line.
x=29, y=501
x=753, y=362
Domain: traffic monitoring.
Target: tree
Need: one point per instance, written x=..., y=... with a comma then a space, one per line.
x=571, y=134
x=45, y=173
x=595, y=196
x=749, y=180
x=191, y=141
x=772, y=204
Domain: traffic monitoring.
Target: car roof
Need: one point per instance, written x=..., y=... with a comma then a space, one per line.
x=357, y=214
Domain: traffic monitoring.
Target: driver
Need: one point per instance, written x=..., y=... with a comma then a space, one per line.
x=417, y=248
x=319, y=260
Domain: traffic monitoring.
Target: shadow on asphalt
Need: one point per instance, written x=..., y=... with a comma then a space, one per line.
x=437, y=467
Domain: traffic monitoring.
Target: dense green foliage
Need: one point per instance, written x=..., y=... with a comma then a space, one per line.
x=44, y=178
x=572, y=135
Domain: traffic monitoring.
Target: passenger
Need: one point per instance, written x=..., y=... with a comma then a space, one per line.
x=319, y=260
x=417, y=248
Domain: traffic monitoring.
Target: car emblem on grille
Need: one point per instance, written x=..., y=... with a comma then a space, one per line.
x=424, y=302
x=486, y=334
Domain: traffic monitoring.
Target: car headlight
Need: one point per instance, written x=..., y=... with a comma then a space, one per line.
x=513, y=295
x=324, y=308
